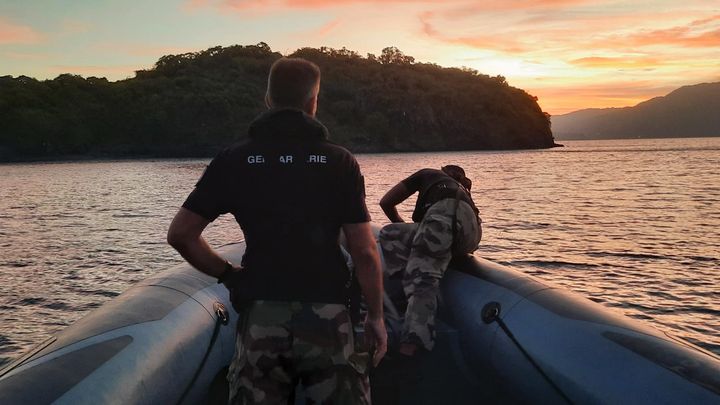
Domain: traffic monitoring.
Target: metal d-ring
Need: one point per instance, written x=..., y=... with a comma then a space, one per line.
x=221, y=312
x=491, y=312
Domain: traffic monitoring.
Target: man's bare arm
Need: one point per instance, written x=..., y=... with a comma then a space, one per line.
x=392, y=198
x=185, y=236
x=363, y=250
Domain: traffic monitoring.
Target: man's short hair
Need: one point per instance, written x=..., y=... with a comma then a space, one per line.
x=292, y=82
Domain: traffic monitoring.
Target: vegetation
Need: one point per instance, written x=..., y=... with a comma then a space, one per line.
x=194, y=104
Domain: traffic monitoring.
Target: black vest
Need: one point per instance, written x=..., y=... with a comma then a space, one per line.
x=438, y=191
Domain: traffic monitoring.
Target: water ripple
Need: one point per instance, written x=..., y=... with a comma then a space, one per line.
x=552, y=263
x=633, y=225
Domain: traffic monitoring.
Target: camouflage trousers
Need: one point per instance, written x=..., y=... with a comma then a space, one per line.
x=280, y=344
x=419, y=253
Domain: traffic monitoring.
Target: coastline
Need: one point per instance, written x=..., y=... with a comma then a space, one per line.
x=89, y=158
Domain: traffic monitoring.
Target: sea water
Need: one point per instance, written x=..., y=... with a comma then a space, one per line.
x=631, y=224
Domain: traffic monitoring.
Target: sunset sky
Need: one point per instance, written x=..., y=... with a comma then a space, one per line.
x=571, y=54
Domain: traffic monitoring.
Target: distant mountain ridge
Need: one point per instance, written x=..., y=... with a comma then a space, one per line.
x=689, y=111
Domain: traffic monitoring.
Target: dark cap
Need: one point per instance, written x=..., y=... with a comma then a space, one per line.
x=453, y=169
x=457, y=173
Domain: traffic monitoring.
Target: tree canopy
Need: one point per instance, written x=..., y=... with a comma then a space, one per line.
x=194, y=104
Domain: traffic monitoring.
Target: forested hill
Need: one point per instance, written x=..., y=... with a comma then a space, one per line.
x=690, y=111
x=196, y=103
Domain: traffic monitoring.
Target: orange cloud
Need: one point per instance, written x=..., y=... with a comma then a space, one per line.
x=479, y=7
x=704, y=33
x=329, y=27
x=335, y=3
x=321, y=31
x=680, y=36
x=617, y=62
x=11, y=33
x=488, y=43
x=315, y=4
x=705, y=21
x=484, y=42
x=528, y=25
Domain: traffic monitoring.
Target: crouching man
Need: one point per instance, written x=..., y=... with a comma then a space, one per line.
x=446, y=222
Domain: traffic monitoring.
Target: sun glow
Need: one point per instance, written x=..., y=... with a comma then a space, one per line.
x=571, y=54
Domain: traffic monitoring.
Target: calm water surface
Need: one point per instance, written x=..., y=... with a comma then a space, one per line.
x=634, y=225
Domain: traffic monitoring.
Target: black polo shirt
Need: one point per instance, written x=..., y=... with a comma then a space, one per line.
x=290, y=191
x=434, y=185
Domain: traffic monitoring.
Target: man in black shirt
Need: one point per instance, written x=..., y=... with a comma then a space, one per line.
x=291, y=191
x=446, y=222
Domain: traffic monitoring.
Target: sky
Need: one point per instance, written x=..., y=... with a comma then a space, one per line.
x=571, y=54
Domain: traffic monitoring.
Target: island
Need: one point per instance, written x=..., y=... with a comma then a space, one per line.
x=194, y=104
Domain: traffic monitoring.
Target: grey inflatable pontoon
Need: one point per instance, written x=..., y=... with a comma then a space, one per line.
x=506, y=337
x=170, y=339
x=167, y=340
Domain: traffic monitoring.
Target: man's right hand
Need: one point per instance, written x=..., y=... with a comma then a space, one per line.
x=376, y=336
x=363, y=250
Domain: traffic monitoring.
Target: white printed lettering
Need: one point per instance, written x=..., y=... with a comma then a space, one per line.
x=317, y=159
x=255, y=159
x=286, y=159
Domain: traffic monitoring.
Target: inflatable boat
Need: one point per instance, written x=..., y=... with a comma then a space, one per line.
x=502, y=337
x=166, y=340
